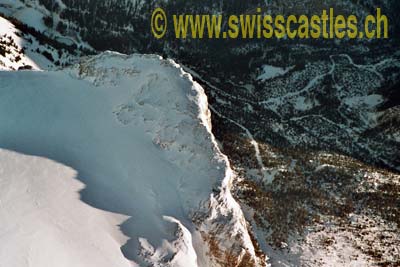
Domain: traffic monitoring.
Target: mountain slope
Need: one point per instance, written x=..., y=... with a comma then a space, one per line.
x=23, y=48
x=312, y=127
x=136, y=131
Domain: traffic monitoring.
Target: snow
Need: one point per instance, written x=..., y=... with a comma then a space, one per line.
x=135, y=132
x=303, y=104
x=43, y=222
x=270, y=72
x=8, y=61
x=31, y=17
x=396, y=136
x=341, y=253
x=368, y=105
x=185, y=255
x=23, y=50
x=31, y=13
x=369, y=101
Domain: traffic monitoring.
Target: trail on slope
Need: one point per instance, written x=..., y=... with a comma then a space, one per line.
x=253, y=142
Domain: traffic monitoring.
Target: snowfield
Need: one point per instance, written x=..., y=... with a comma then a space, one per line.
x=112, y=163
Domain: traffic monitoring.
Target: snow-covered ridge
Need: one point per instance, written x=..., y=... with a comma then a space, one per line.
x=137, y=131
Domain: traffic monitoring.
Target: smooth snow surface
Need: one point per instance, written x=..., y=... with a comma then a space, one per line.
x=43, y=222
x=135, y=131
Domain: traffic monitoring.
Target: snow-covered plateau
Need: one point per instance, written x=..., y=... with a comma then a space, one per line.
x=112, y=162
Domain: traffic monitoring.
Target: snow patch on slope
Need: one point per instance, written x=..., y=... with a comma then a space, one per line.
x=26, y=50
x=270, y=72
x=33, y=13
x=12, y=55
